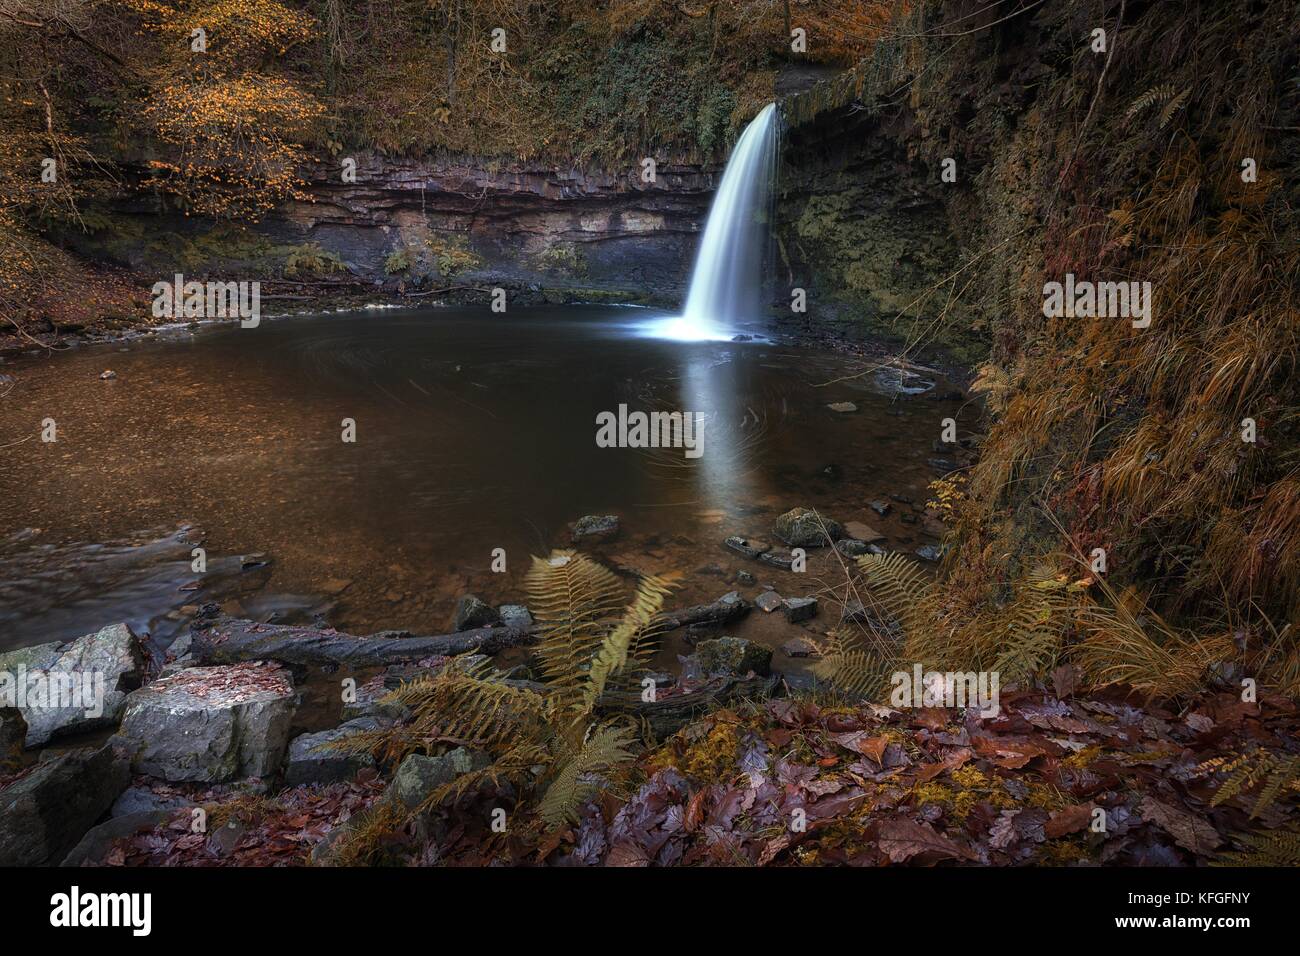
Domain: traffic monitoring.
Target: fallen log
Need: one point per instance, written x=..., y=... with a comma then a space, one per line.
x=231, y=640
x=730, y=607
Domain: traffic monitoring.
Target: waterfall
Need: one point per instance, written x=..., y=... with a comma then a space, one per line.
x=726, y=284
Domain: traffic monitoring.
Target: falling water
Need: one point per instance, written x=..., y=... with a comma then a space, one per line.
x=727, y=282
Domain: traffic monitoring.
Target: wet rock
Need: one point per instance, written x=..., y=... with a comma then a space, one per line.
x=842, y=407
x=800, y=609
x=419, y=776
x=880, y=507
x=44, y=814
x=778, y=559
x=745, y=578
x=107, y=375
x=903, y=500
x=100, y=670
x=800, y=647
x=750, y=549
x=368, y=702
x=768, y=601
x=516, y=616
x=13, y=731
x=928, y=552
x=211, y=724
x=908, y=518
x=943, y=466
x=594, y=528
x=853, y=548
x=471, y=612
x=729, y=656
x=804, y=528
x=312, y=759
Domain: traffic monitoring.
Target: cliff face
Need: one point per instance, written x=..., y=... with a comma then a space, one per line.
x=418, y=223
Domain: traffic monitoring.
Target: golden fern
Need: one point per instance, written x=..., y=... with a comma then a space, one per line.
x=1274, y=773
x=538, y=737
x=581, y=775
x=1035, y=625
x=1161, y=93
x=900, y=586
x=1279, y=847
x=849, y=664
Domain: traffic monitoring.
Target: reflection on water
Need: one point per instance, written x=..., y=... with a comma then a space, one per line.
x=473, y=431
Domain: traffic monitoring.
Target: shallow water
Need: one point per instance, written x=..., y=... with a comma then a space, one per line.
x=474, y=431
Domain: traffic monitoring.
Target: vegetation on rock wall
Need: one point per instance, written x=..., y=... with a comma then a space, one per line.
x=1171, y=157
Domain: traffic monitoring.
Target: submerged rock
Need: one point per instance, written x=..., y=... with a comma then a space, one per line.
x=804, y=528
x=750, y=549
x=800, y=609
x=842, y=407
x=99, y=670
x=853, y=548
x=45, y=813
x=862, y=532
x=928, y=552
x=800, y=647
x=880, y=507
x=211, y=724
x=594, y=528
x=471, y=612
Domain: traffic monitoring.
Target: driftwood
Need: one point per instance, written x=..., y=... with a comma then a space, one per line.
x=730, y=607
x=229, y=641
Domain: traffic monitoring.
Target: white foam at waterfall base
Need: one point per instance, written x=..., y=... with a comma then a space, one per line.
x=726, y=283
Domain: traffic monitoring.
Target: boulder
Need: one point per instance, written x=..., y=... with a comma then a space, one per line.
x=419, y=776
x=13, y=731
x=471, y=613
x=44, y=813
x=800, y=609
x=72, y=687
x=139, y=799
x=312, y=759
x=594, y=528
x=94, y=846
x=804, y=528
x=516, y=616
x=729, y=656
x=211, y=724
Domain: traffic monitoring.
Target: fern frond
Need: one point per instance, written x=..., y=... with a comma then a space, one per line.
x=579, y=777
x=1279, y=847
x=575, y=601
x=900, y=586
x=850, y=665
x=627, y=640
